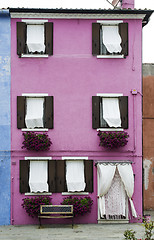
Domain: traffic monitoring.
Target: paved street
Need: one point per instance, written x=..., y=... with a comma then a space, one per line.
x=65, y=232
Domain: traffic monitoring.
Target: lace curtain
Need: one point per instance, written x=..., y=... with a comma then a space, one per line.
x=115, y=199
x=111, y=190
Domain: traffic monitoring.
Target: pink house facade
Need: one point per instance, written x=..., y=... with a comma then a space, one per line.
x=71, y=73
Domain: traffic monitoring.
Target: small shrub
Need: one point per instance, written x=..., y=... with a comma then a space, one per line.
x=32, y=205
x=80, y=205
x=130, y=234
x=36, y=141
x=112, y=140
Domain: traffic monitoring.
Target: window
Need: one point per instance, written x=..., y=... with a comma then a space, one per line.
x=54, y=176
x=109, y=112
x=34, y=37
x=110, y=38
x=34, y=112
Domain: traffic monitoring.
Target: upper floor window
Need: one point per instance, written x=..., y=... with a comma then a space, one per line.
x=110, y=39
x=34, y=37
x=34, y=111
x=110, y=111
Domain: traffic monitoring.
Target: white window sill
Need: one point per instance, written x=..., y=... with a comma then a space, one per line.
x=34, y=130
x=37, y=194
x=75, y=193
x=110, y=129
x=34, y=55
x=110, y=56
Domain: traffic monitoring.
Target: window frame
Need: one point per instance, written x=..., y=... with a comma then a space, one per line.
x=96, y=38
x=123, y=100
x=56, y=176
x=22, y=38
x=48, y=111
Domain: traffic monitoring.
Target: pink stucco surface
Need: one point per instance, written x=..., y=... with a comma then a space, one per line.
x=72, y=75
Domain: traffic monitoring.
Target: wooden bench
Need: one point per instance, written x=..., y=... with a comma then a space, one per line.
x=56, y=211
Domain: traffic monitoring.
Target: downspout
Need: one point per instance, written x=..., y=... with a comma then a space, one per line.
x=12, y=198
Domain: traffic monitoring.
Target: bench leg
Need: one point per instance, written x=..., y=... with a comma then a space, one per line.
x=72, y=223
x=40, y=221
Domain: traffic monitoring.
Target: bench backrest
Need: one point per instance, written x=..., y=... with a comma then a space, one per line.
x=56, y=209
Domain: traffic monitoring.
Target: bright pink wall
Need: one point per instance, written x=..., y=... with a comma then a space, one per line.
x=72, y=75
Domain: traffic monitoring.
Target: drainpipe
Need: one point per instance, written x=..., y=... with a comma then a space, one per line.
x=12, y=198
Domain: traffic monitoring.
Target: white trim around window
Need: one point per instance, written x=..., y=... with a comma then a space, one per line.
x=38, y=158
x=74, y=158
x=28, y=21
x=109, y=94
x=34, y=94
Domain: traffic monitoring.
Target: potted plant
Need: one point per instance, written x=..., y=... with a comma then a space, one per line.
x=81, y=205
x=113, y=139
x=36, y=141
x=32, y=205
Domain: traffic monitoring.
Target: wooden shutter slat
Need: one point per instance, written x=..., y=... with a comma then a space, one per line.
x=21, y=109
x=123, y=105
x=95, y=112
x=88, y=169
x=52, y=175
x=49, y=38
x=48, y=112
x=24, y=176
x=61, y=176
x=95, y=39
x=21, y=37
x=123, y=31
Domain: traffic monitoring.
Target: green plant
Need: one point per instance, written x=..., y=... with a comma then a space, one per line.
x=32, y=205
x=36, y=141
x=113, y=139
x=130, y=234
x=148, y=226
x=81, y=205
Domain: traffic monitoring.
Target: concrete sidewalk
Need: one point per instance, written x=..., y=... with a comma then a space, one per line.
x=65, y=232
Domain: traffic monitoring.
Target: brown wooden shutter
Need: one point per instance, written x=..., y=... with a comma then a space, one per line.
x=21, y=37
x=49, y=38
x=24, y=176
x=21, y=109
x=95, y=39
x=123, y=104
x=48, y=112
x=52, y=175
x=123, y=31
x=95, y=112
x=61, y=178
x=88, y=169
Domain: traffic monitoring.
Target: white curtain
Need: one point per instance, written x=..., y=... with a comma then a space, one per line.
x=111, y=111
x=126, y=173
x=38, y=176
x=111, y=39
x=105, y=174
x=75, y=176
x=34, y=114
x=35, y=38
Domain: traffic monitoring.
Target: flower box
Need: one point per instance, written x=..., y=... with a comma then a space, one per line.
x=81, y=205
x=32, y=205
x=36, y=141
x=113, y=139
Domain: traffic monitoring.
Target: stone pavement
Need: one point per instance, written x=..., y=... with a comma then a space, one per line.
x=65, y=232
